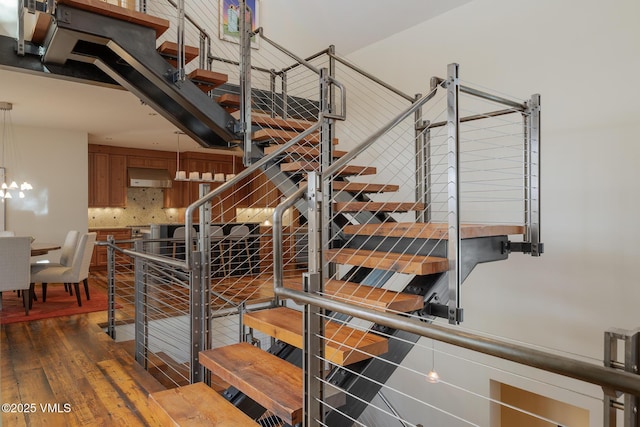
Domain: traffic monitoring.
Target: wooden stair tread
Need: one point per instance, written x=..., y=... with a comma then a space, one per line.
x=313, y=166
x=303, y=151
x=272, y=382
x=170, y=51
x=361, y=187
x=106, y=9
x=344, y=345
x=197, y=405
x=229, y=101
x=432, y=230
x=207, y=80
x=367, y=296
x=282, y=136
x=266, y=120
x=377, y=206
x=43, y=21
x=389, y=261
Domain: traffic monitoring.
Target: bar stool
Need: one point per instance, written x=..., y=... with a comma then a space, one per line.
x=216, y=237
x=239, y=234
x=179, y=234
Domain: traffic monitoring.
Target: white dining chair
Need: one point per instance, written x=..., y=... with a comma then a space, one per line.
x=15, y=255
x=75, y=273
x=66, y=253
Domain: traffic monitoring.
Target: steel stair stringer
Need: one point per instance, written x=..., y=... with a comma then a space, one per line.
x=126, y=53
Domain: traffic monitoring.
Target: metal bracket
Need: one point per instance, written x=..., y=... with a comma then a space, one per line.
x=630, y=403
x=524, y=247
x=442, y=311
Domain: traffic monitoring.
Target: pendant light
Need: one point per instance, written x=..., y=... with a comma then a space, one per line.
x=11, y=190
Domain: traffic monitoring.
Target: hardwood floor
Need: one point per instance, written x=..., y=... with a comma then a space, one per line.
x=67, y=372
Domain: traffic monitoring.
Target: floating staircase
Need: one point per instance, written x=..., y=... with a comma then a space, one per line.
x=121, y=43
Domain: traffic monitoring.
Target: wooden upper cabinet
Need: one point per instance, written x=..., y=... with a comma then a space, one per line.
x=117, y=180
x=147, y=162
x=107, y=180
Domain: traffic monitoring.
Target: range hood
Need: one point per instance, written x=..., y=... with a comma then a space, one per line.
x=145, y=177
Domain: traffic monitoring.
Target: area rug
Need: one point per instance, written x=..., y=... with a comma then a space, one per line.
x=59, y=303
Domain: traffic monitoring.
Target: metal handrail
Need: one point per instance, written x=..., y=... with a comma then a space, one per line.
x=337, y=165
x=485, y=95
x=239, y=177
x=371, y=77
x=287, y=52
x=606, y=377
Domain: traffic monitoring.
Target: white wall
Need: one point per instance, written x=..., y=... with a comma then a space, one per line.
x=55, y=163
x=583, y=57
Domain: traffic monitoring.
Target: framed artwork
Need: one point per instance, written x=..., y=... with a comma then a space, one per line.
x=229, y=14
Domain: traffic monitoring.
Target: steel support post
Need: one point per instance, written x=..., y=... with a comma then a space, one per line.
x=630, y=404
x=285, y=95
x=180, y=60
x=422, y=164
x=141, y=321
x=313, y=315
x=20, y=41
x=453, y=189
x=245, y=82
x=326, y=157
x=204, y=246
x=272, y=91
x=111, y=288
x=199, y=280
x=532, y=175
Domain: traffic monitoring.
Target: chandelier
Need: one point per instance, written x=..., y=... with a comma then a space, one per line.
x=11, y=190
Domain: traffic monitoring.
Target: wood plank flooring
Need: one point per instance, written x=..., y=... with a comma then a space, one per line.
x=71, y=365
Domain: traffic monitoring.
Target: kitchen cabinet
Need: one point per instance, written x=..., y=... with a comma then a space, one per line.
x=107, y=180
x=108, y=177
x=262, y=192
x=185, y=193
x=99, y=256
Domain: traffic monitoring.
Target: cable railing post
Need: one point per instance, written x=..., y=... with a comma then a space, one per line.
x=181, y=43
x=203, y=51
x=272, y=91
x=532, y=175
x=326, y=156
x=285, y=96
x=141, y=321
x=422, y=164
x=111, y=288
x=245, y=81
x=204, y=246
x=453, y=191
x=20, y=29
x=313, y=315
x=195, y=317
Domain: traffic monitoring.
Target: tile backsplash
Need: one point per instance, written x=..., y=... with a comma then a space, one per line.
x=144, y=206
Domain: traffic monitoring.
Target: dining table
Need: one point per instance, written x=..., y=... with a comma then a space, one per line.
x=38, y=249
